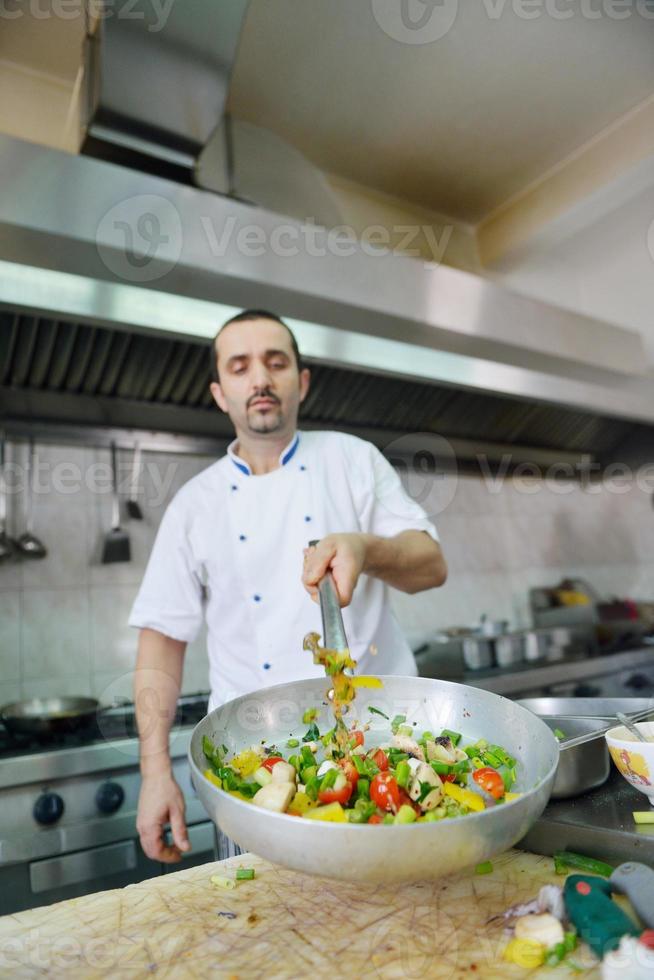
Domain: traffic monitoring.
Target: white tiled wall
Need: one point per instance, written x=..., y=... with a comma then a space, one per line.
x=63, y=620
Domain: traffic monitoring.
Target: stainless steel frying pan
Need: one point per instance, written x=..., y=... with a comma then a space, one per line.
x=49, y=716
x=384, y=853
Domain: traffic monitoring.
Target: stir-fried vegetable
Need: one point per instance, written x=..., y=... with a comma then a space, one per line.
x=334, y=776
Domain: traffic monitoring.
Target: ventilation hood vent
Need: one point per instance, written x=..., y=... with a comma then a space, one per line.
x=67, y=373
x=101, y=327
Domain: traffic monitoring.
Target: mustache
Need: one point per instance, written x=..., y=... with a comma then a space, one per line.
x=262, y=394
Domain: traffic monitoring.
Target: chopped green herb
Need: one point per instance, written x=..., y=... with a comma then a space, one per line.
x=244, y=874
x=293, y=743
x=454, y=737
x=485, y=868
x=396, y=722
x=212, y=753
x=425, y=790
x=312, y=734
x=559, y=734
x=376, y=711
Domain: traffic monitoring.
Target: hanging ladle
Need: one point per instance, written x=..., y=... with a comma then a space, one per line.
x=28, y=544
x=7, y=545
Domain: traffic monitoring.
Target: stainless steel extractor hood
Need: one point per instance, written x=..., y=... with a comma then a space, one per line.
x=123, y=277
x=158, y=77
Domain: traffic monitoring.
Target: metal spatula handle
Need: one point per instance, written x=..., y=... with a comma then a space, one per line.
x=333, y=630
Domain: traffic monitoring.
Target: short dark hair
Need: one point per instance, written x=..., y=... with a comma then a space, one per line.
x=243, y=317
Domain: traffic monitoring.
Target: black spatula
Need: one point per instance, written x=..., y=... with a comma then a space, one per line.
x=133, y=506
x=116, y=541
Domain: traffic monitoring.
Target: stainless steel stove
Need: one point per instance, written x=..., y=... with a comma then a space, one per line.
x=68, y=809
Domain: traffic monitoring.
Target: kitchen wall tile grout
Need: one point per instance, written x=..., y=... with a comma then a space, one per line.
x=498, y=546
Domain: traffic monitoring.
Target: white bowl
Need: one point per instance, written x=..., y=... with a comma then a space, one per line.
x=634, y=759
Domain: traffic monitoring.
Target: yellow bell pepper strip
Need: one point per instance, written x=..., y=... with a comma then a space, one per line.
x=512, y=796
x=330, y=812
x=211, y=776
x=472, y=800
x=525, y=953
x=365, y=680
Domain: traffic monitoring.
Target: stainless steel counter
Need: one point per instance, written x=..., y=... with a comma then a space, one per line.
x=541, y=675
x=599, y=824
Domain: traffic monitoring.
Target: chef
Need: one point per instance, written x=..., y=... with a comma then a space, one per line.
x=232, y=551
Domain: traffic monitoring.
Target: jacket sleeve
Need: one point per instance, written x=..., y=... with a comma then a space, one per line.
x=170, y=599
x=385, y=507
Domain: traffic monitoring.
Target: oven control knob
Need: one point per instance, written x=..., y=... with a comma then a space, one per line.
x=638, y=682
x=109, y=797
x=48, y=808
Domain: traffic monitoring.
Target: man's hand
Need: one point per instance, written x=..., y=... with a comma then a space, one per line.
x=411, y=561
x=344, y=555
x=161, y=802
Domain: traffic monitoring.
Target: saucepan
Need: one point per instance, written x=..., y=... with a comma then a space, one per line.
x=384, y=853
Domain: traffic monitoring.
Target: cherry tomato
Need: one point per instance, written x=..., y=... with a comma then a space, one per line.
x=271, y=761
x=357, y=737
x=336, y=795
x=449, y=778
x=381, y=760
x=490, y=781
x=385, y=792
x=350, y=771
x=375, y=818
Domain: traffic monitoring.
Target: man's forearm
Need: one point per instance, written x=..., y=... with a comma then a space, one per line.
x=411, y=561
x=157, y=683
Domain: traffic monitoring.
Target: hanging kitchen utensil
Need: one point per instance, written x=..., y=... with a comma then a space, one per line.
x=133, y=507
x=28, y=544
x=7, y=545
x=116, y=542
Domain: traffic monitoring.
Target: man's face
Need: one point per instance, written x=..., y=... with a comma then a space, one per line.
x=260, y=386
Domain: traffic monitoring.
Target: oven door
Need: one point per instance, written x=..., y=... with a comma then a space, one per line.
x=56, y=879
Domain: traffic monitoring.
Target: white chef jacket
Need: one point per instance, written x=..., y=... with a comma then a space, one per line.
x=229, y=549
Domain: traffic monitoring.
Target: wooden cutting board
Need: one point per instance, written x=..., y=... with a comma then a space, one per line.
x=281, y=925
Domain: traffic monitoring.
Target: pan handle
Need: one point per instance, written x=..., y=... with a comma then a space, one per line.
x=333, y=629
